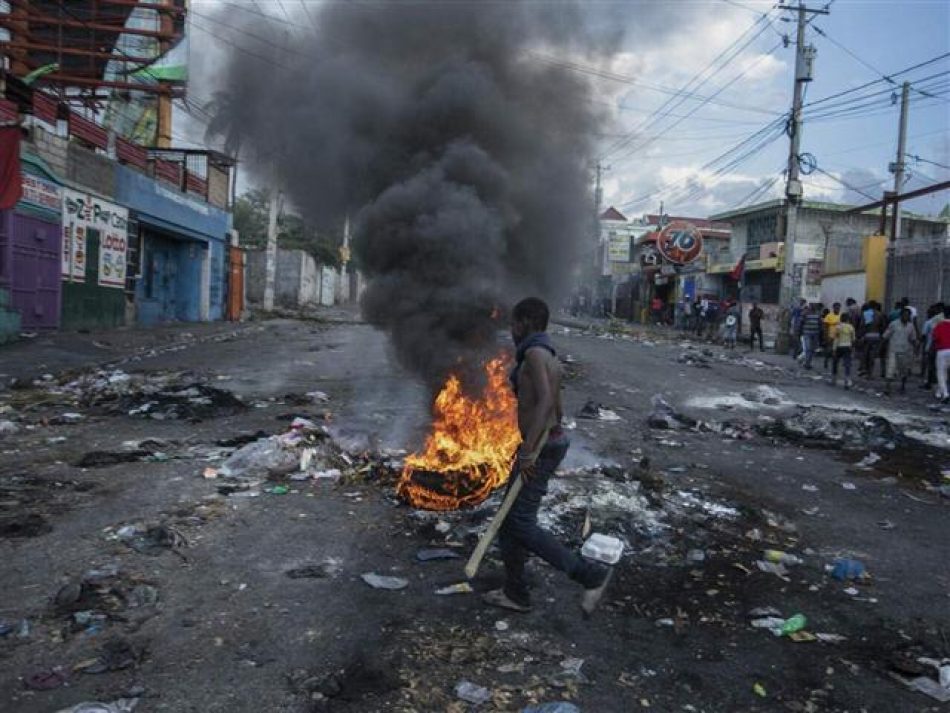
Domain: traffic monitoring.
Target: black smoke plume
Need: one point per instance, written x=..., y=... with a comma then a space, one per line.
x=460, y=150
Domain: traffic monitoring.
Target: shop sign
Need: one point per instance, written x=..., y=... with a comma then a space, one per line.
x=649, y=257
x=41, y=193
x=618, y=247
x=87, y=217
x=680, y=242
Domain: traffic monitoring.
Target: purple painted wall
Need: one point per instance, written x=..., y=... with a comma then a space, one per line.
x=30, y=268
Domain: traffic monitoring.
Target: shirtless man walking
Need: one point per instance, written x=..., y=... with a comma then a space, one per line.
x=536, y=380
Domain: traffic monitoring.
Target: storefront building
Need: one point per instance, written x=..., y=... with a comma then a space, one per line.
x=29, y=251
x=180, y=245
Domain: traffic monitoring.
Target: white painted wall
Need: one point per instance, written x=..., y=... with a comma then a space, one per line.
x=838, y=288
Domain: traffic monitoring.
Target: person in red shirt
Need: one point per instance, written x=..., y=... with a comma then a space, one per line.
x=941, y=345
x=656, y=306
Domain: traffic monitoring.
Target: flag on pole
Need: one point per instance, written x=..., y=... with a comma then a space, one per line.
x=738, y=272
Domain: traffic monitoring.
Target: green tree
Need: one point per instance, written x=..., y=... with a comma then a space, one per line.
x=293, y=233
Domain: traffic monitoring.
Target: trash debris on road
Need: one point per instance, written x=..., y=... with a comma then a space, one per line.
x=552, y=707
x=780, y=557
x=664, y=417
x=378, y=581
x=594, y=410
x=437, y=553
x=458, y=588
x=776, y=568
x=602, y=548
x=327, y=569
x=844, y=569
x=122, y=705
x=472, y=693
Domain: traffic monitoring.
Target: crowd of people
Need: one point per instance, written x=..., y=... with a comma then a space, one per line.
x=868, y=335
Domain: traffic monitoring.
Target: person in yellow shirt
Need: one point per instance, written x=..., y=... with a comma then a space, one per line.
x=843, y=347
x=831, y=321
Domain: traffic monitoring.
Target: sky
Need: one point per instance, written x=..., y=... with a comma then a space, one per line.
x=696, y=111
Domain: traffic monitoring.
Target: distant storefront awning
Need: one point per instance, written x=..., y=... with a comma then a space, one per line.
x=771, y=263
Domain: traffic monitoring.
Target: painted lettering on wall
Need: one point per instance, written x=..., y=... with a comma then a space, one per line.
x=89, y=218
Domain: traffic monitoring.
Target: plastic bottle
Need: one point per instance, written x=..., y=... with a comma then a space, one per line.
x=793, y=624
x=781, y=557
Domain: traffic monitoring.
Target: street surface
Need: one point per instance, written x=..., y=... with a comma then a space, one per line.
x=128, y=574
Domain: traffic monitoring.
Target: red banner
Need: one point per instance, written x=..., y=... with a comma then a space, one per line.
x=11, y=182
x=196, y=184
x=45, y=107
x=131, y=153
x=88, y=131
x=168, y=171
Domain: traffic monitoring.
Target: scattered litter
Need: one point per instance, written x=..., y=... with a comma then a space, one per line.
x=143, y=595
x=695, y=556
x=8, y=428
x=602, y=548
x=472, y=693
x=849, y=486
x=594, y=410
x=378, y=581
x=46, y=680
x=268, y=456
x=765, y=611
x=929, y=687
x=852, y=591
x=441, y=553
x=831, y=638
x=663, y=416
x=501, y=625
x=277, y=490
x=843, y=569
x=868, y=460
x=812, y=511
x=776, y=568
x=759, y=690
x=793, y=624
x=327, y=569
x=810, y=488
x=122, y=705
x=329, y=474
x=780, y=557
x=552, y=707
x=459, y=588
x=115, y=655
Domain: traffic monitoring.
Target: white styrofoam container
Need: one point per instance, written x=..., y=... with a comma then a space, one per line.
x=602, y=548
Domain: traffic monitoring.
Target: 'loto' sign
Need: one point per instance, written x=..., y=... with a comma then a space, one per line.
x=88, y=218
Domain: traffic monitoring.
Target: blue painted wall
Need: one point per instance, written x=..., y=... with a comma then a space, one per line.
x=181, y=233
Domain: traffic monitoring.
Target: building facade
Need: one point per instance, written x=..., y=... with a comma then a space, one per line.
x=132, y=235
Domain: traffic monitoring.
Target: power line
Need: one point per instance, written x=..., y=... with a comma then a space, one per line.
x=864, y=62
x=844, y=183
x=677, y=99
x=699, y=106
x=625, y=79
x=919, y=159
x=878, y=81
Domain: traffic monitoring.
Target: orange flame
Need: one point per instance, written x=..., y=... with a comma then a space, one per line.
x=469, y=451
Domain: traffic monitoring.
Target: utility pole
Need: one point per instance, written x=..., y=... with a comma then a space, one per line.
x=600, y=252
x=897, y=168
x=804, y=62
x=270, y=252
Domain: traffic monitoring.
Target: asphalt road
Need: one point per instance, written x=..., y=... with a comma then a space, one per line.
x=230, y=631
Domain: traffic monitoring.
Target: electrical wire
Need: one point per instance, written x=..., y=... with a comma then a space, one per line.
x=676, y=100
x=728, y=84
x=844, y=183
x=907, y=70
x=919, y=159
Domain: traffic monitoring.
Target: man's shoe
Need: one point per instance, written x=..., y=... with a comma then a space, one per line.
x=592, y=595
x=498, y=598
